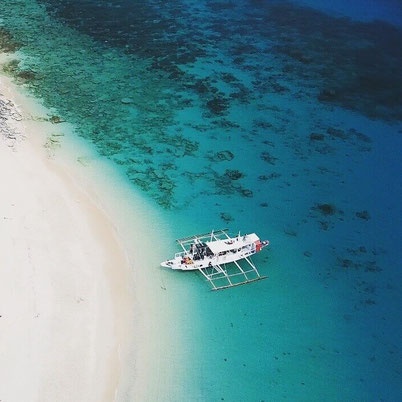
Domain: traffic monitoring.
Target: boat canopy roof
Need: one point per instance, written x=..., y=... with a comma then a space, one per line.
x=219, y=246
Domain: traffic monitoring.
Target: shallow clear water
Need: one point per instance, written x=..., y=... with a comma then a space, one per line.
x=262, y=116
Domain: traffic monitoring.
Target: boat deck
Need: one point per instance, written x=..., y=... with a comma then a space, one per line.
x=218, y=257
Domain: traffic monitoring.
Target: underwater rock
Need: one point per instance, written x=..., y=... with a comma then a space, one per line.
x=270, y=143
x=166, y=185
x=262, y=124
x=371, y=266
x=246, y=193
x=273, y=175
x=238, y=60
x=228, y=78
x=224, y=184
x=327, y=95
x=234, y=174
x=192, y=176
x=369, y=302
x=143, y=184
x=109, y=148
x=325, y=149
x=335, y=133
x=165, y=201
x=224, y=123
x=56, y=120
x=11, y=66
x=363, y=215
x=267, y=157
x=295, y=54
x=290, y=231
x=217, y=106
x=222, y=156
x=181, y=146
x=278, y=88
x=7, y=43
x=357, y=265
x=325, y=209
x=190, y=147
x=126, y=101
x=167, y=166
x=243, y=94
x=357, y=251
x=27, y=75
x=264, y=204
x=200, y=87
x=307, y=253
x=323, y=225
x=316, y=137
x=226, y=217
x=346, y=263
x=360, y=136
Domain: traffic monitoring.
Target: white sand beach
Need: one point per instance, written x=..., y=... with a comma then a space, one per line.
x=64, y=299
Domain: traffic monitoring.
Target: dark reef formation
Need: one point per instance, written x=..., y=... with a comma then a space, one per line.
x=7, y=42
x=179, y=58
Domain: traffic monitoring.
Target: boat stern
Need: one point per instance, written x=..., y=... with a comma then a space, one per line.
x=259, y=245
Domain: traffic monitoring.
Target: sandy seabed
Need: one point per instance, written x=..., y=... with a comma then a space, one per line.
x=64, y=300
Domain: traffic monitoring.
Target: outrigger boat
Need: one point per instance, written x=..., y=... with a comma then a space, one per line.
x=216, y=256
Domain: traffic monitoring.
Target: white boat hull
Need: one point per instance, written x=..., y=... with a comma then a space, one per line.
x=184, y=262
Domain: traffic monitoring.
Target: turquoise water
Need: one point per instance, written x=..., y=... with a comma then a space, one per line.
x=258, y=116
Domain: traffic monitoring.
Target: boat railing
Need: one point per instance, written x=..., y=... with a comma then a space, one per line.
x=181, y=254
x=208, y=235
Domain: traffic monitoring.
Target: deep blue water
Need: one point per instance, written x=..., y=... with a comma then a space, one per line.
x=276, y=117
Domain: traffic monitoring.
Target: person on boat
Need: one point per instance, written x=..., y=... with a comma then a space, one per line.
x=187, y=260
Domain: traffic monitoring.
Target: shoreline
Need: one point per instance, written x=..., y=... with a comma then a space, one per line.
x=147, y=308
x=65, y=302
